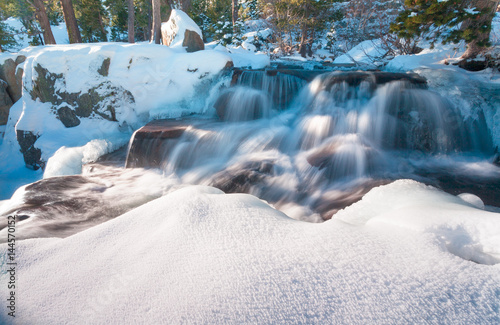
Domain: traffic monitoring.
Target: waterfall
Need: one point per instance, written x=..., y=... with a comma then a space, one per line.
x=342, y=131
x=308, y=148
x=281, y=87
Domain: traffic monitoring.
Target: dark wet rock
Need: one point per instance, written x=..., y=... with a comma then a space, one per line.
x=104, y=69
x=116, y=158
x=496, y=160
x=332, y=201
x=192, y=41
x=321, y=157
x=62, y=206
x=68, y=117
x=473, y=65
x=149, y=143
x=240, y=179
x=5, y=103
x=457, y=182
x=355, y=78
x=85, y=103
x=32, y=155
x=336, y=162
x=306, y=75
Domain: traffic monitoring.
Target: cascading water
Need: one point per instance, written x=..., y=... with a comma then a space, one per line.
x=281, y=87
x=341, y=135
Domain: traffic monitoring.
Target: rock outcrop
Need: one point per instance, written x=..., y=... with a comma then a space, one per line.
x=98, y=101
x=10, y=85
x=13, y=76
x=101, y=91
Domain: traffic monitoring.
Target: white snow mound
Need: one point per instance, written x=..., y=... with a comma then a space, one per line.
x=200, y=256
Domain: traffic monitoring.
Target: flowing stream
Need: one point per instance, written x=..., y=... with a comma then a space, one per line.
x=309, y=148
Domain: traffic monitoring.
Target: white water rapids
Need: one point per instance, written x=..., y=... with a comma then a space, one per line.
x=309, y=149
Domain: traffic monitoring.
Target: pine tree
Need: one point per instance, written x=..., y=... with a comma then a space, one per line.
x=131, y=21
x=43, y=20
x=89, y=14
x=448, y=21
x=156, y=26
x=71, y=22
x=297, y=22
x=7, y=40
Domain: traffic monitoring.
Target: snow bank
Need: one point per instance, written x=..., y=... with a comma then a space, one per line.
x=428, y=58
x=456, y=222
x=367, y=52
x=200, y=256
x=245, y=59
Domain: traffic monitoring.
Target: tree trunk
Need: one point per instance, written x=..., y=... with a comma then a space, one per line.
x=71, y=24
x=131, y=19
x=305, y=46
x=103, y=29
x=303, y=50
x=478, y=45
x=156, y=28
x=147, y=34
x=43, y=19
x=185, y=5
x=235, y=14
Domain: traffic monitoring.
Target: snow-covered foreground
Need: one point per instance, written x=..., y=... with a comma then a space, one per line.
x=200, y=256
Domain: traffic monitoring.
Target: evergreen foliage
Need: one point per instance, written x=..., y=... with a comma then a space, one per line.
x=297, y=25
x=443, y=21
x=90, y=15
x=7, y=40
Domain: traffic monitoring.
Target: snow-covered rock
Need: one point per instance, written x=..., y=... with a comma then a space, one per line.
x=74, y=94
x=181, y=31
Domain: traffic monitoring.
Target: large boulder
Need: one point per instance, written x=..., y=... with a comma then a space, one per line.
x=10, y=85
x=13, y=78
x=73, y=95
x=182, y=31
x=99, y=101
